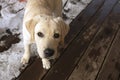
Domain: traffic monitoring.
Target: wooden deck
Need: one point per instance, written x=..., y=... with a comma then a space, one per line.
x=92, y=50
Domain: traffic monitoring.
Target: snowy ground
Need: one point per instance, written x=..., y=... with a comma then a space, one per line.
x=11, y=14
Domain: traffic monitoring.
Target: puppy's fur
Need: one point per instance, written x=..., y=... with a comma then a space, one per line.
x=43, y=16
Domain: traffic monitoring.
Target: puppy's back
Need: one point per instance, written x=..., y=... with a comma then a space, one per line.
x=37, y=7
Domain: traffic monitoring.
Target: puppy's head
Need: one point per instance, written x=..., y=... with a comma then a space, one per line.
x=49, y=33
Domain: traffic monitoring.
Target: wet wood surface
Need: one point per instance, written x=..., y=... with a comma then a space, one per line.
x=111, y=65
x=91, y=61
x=91, y=50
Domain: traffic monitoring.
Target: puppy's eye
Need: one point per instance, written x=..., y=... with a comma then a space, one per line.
x=40, y=34
x=56, y=35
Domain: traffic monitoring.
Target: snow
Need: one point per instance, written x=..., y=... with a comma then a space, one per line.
x=74, y=8
x=12, y=14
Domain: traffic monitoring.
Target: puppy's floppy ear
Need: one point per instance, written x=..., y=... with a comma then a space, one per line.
x=64, y=28
x=30, y=25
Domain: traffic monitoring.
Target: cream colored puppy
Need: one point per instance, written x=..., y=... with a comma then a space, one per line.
x=44, y=26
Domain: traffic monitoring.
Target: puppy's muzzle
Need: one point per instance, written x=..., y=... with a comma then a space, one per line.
x=49, y=52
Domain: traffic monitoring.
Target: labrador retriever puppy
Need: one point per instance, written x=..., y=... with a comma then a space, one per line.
x=44, y=26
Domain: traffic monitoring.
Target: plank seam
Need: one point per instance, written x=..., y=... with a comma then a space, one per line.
x=107, y=53
x=119, y=77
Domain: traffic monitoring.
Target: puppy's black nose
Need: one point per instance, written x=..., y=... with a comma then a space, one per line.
x=49, y=52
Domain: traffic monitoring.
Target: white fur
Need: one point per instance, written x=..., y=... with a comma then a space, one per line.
x=43, y=16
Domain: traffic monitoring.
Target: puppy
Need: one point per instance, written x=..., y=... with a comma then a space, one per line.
x=43, y=25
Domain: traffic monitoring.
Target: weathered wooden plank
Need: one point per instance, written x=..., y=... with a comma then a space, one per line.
x=91, y=61
x=32, y=71
x=65, y=65
x=111, y=69
x=111, y=66
x=38, y=71
x=86, y=16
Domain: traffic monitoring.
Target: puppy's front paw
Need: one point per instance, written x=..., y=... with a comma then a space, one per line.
x=25, y=59
x=46, y=63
